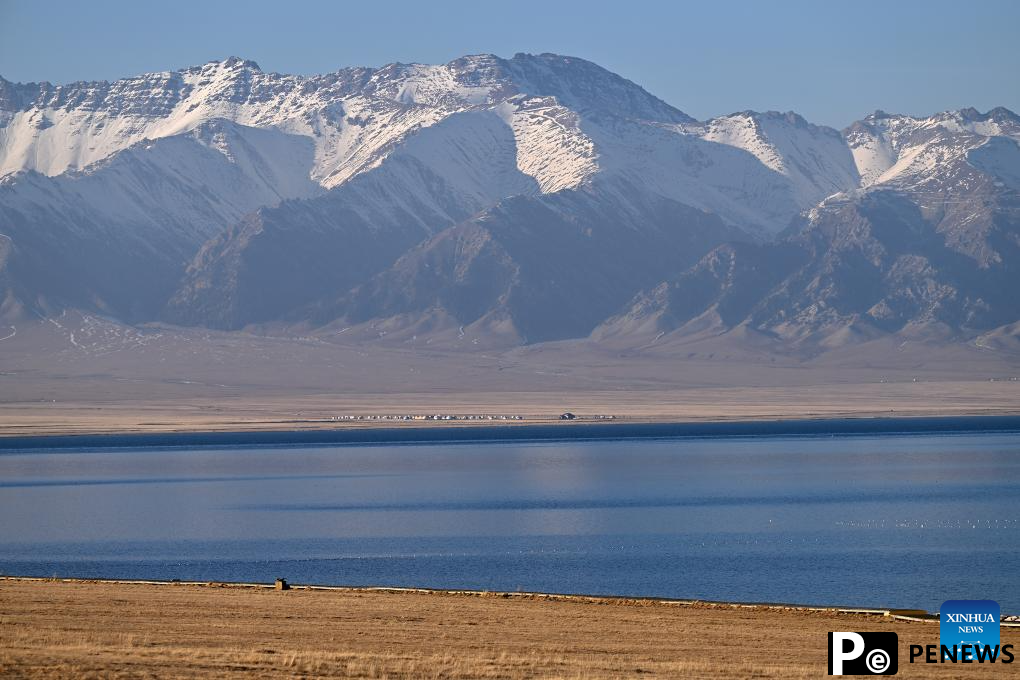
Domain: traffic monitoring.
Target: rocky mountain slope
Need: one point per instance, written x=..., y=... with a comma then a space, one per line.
x=497, y=201
x=115, y=237
x=931, y=240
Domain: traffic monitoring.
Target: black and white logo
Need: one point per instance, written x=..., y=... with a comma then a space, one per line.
x=863, y=653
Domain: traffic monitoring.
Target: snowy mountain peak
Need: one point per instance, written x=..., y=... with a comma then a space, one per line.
x=354, y=115
x=238, y=62
x=998, y=114
x=586, y=86
x=814, y=158
x=909, y=150
x=230, y=65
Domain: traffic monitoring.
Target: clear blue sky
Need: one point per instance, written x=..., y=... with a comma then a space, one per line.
x=833, y=62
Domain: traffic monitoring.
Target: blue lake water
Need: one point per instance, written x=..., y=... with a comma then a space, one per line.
x=905, y=520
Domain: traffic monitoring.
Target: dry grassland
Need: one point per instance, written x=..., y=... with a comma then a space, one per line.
x=91, y=630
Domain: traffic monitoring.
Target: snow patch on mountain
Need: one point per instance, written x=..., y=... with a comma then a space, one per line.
x=551, y=146
x=814, y=158
x=179, y=190
x=910, y=151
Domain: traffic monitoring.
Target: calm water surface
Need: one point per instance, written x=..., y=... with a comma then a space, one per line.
x=887, y=520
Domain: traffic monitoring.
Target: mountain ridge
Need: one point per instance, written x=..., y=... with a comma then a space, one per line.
x=524, y=199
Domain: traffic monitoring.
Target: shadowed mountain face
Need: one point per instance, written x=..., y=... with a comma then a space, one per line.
x=932, y=243
x=860, y=267
x=535, y=268
x=506, y=200
x=278, y=260
x=115, y=238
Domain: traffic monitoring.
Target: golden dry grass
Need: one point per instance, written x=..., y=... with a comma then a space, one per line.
x=93, y=630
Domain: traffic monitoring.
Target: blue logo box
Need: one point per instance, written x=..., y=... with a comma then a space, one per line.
x=969, y=622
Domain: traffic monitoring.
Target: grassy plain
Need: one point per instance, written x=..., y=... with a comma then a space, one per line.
x=86, y=630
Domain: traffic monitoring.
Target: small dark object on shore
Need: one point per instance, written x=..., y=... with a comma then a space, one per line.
x=567, y=416
x=281, y=584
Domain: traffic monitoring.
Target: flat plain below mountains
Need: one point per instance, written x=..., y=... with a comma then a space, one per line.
x=90, y=375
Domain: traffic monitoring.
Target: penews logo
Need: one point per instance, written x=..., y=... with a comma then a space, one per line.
x=863, y=653
x=969, y=630
x=968, y=633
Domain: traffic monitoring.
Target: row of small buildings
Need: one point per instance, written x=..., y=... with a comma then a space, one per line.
x=437, y=416
x=451, y=416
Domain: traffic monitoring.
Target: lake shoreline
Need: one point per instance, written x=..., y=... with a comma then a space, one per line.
x=896, y=613
x=471, y=432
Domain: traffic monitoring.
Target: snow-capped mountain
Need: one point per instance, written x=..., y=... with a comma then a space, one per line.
x=355, y=116
x=526, y=199
x=814, y=159
x=931, y=239
x=570, y=120
x=115, y=237
x=910, y=151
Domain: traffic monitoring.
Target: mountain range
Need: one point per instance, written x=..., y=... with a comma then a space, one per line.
x=499, y=202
